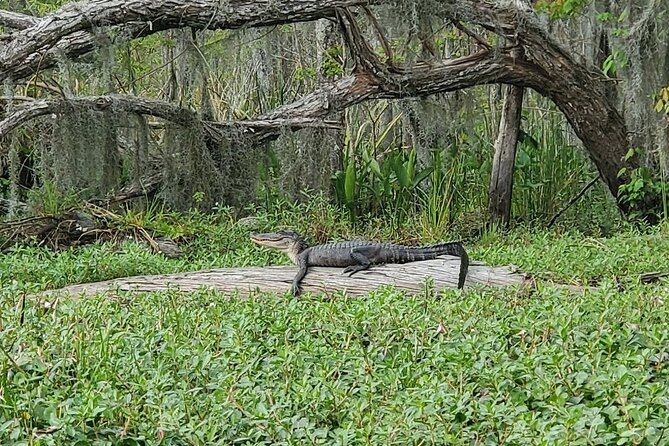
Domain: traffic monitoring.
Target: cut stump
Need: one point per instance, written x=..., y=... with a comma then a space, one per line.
x=278, y=279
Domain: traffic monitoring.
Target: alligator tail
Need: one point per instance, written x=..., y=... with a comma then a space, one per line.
x=450, y=248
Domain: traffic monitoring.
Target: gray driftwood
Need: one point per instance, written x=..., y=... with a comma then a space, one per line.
x=410, y=276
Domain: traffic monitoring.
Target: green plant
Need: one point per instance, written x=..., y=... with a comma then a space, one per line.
x=614, y=62
x=438, y=200
x=49, y=200
x=333, y=62
x=561, y=9
x=662, y=100
x=642, y=186
x=490, y=365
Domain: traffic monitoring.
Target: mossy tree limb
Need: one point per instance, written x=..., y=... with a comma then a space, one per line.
x=73, y=20
x=258, y=130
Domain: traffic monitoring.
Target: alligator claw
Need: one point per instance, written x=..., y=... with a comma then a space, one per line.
x=296, y=290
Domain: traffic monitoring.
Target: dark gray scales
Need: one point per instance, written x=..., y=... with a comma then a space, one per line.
x=355, y=255
x=358, y=255
x=340, y=254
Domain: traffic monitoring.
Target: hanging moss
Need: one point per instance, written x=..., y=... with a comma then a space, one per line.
x=83, y=156
x=646, y=48
x=307, y=161
x=189, y=173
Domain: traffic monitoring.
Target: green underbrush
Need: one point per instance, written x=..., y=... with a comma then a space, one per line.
x=483, y=366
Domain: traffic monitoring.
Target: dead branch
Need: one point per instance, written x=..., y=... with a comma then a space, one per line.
x=442, y=272
x=573, y=200
x=83, y=225
x=29, y=46
x=480, y=40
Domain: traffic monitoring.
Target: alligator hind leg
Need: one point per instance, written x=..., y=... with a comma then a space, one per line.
x=363, y=262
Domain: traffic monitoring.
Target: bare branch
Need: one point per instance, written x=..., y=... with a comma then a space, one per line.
x=379, y=32
x=480, y=40
x=29, y=45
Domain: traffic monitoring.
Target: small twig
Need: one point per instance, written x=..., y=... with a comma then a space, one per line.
x=11, y=360
x=363, y=55
x=573, y=200
x=384, y=42
x=23, y=309
x=481, y=41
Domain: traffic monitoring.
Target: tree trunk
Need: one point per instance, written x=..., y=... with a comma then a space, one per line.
x=501, y=180
x=277, y=279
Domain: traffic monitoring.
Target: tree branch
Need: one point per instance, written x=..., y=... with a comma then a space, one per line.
x=76, y=19
x=421, y=80
x=257, y=130
x=480, y=40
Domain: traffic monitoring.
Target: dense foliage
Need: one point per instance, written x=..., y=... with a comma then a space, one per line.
x=483, y=366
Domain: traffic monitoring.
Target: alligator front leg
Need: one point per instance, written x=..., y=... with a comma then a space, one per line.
x=303, y=265
x=358, y=254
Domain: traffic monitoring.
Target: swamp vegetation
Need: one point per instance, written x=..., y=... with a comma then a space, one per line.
x=485, y=366
x=193, y=123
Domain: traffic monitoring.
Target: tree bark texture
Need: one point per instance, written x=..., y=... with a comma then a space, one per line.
x=411, y=277
x=542, y=64
x=501, y=179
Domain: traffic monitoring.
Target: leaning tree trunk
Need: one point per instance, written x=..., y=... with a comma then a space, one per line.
x=501, y=180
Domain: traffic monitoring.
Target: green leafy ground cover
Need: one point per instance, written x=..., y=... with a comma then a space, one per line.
x=484, y=366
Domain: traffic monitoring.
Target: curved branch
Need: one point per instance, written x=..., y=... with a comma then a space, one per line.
x=155, y=15
x=31, y=110
x=257, y=130
x=421, y=80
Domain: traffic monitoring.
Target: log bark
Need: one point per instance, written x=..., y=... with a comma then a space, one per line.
x=501, y=180
x=277, y=279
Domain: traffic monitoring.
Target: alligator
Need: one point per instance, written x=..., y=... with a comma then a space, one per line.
x=355, y=255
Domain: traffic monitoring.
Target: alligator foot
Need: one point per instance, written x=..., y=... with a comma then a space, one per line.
x=354, y=269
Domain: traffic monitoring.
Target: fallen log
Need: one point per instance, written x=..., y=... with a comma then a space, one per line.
x=411, y=277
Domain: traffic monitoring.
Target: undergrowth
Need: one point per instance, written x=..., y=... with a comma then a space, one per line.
x=483, y=366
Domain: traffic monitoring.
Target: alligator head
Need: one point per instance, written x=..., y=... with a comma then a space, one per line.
x=288, y=242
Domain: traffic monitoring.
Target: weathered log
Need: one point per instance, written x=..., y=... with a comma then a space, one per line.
x=277, y=279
